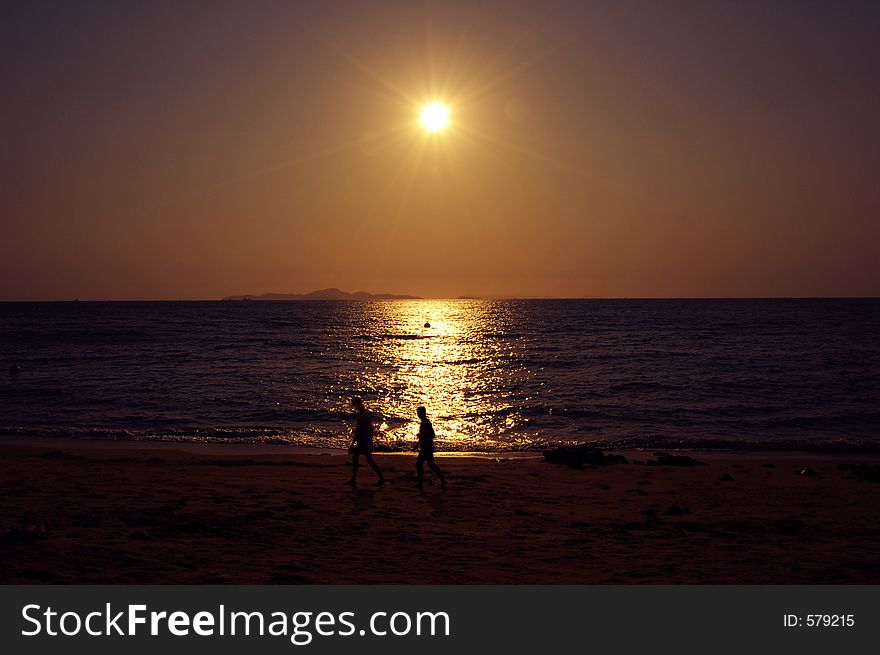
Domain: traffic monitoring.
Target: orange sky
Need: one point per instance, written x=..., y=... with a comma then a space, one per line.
x=196, y=150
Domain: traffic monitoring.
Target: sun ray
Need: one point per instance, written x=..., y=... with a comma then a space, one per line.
x=407, y=170
x=429, y=51
x=487, y=68
x=486, y=87
x=394, y=89
x=538, y=156
x=218, y=185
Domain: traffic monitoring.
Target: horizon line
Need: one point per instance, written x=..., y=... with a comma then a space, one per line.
x=417, y=298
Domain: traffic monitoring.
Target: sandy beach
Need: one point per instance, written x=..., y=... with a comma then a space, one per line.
x=134, y=512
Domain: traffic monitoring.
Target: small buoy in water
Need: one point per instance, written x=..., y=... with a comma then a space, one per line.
x=15, y=369
x=427, y=325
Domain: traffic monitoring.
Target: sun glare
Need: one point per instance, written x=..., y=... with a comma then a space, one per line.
x=435, y=117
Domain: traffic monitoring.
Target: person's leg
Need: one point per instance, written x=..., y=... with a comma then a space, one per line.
x=372, y=463
x=420, y=469
x=355, y=463
x=436, y=469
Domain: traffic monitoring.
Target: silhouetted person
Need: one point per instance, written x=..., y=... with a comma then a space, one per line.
x=362, y=444
x=426, y=450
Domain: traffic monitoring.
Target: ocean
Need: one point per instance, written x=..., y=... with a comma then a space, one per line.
x=505, y=375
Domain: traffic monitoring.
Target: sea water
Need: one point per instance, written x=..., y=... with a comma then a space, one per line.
x=495, y=375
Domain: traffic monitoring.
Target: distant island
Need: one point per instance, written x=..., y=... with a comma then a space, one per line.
x=325, y=294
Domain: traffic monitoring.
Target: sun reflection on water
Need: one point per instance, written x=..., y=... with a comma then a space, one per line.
x=456, y=358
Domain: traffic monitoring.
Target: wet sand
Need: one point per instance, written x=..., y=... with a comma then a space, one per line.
x=130, y=512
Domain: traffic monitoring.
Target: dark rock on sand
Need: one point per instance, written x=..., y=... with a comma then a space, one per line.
x=867, y=472
x=580, y=455
x=675, y=510
x=727, y=477
x=808, y=471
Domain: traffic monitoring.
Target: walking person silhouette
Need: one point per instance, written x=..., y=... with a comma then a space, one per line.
x=362, y=444
x=426, y=449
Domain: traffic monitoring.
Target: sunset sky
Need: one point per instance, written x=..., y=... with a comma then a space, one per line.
x=199, y=149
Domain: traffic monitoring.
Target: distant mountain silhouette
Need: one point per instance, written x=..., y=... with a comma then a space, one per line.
x=325, y=294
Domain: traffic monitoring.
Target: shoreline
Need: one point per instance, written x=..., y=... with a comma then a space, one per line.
x=114, y=512
x=831, y=449
x=229, y=448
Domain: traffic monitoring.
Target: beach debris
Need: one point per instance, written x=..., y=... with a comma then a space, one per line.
x=866, y=472
x=665, y=459
x=808, y=472
x=581, y=455
x=727, y=477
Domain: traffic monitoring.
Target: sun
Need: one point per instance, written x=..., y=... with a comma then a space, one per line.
x=435, y=117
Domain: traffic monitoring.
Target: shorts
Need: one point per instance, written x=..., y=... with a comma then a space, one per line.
x=361, y=448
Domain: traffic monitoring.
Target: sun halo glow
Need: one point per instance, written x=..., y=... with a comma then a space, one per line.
x=434, y=117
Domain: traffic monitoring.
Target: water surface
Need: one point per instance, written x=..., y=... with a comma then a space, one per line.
x=495, y=375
